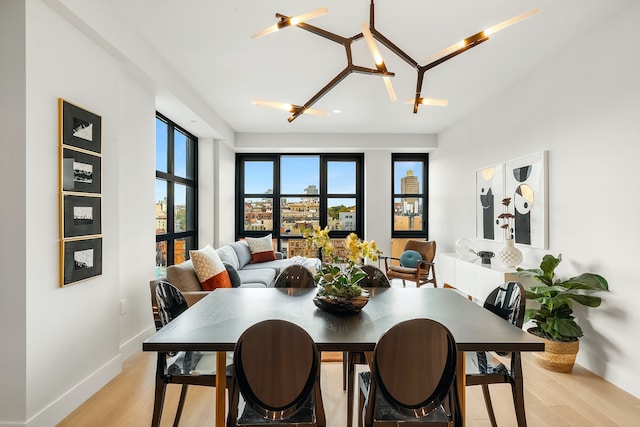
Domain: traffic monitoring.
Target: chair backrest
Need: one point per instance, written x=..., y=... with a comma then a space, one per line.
x=421, y=378
x=375, y=277
x=508, y=302
x=295, y=276
x=276, y=367
x=426, y=248
x=171, y=302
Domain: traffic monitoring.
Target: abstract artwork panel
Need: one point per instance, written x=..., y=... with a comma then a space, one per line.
x=489, y=195
x=526, y=184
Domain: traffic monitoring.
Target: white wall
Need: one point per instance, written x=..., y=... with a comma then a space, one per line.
x=13, y=225
x=74, y=338
x=581, y=106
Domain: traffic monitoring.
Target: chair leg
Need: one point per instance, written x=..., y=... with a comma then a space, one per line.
x=183, y=397
x=517, y=389
x=487, y=402
x=345, y=357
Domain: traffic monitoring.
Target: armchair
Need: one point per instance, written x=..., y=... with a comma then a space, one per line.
x=423, y=271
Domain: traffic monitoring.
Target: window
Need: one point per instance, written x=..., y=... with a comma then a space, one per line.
x=176, y=194
x=286, y=194
x=409, y=173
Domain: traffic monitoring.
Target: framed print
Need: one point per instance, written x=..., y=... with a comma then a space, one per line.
x=81, y=172
x=81, y=260
x=82, y=215
x=526, y=184
x=80, y=128
x=489, y=195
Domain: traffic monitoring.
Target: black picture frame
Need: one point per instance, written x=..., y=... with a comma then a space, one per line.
x=81, y=260
x=80, y=172
x=80, y=128
x=82, y=215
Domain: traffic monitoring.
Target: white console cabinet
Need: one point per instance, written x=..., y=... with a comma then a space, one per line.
x=471, y=277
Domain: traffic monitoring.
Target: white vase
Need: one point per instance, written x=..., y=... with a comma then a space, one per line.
x=509, y=255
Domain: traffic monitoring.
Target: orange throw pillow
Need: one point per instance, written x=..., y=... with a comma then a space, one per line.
x=261, y=248
x=209, y=268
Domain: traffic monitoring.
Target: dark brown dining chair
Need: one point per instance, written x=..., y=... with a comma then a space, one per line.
x=185, y=367
x=294, y=276
x=415, y=264
x=416, y=389
x=277, y=375
x=484, y=368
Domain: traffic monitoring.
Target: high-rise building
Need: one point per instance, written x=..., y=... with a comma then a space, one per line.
x=410, y=184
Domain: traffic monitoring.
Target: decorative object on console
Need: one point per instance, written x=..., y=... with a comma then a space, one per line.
x=338, y=280
x=486, y=256
x=509, y=255
x=371, y=35
x=553, y=318
x=465, y=249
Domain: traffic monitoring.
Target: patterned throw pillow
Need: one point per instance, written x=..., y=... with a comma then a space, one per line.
x=209, y=268
x=261, y=248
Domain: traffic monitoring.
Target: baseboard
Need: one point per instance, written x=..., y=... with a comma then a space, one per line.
x=69, y=401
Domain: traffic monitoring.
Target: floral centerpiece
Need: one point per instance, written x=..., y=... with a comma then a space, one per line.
x=339, y=278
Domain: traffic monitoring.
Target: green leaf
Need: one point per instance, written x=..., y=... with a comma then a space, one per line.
x=587, y=281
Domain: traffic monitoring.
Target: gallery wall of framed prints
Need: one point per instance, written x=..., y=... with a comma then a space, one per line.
x=80, y=171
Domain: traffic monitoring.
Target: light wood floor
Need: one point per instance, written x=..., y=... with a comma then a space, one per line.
x=552, y=400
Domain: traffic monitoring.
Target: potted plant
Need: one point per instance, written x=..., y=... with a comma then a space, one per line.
x=338, y=279
x=553, y=318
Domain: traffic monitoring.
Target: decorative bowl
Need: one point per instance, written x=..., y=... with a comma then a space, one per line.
x=337, y=305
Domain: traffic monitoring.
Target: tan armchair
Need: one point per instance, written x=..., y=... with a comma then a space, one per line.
x=424, y=271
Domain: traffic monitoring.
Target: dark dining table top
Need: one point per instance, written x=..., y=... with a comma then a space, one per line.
x=216, y=322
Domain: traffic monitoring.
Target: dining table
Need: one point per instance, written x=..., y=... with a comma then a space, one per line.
x=216, y=322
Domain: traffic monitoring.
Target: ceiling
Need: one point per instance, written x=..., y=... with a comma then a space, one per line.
x=208, y=43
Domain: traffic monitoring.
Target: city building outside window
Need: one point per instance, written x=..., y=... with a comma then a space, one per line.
x=286, y=194
x=409, y=204
x=176, y=194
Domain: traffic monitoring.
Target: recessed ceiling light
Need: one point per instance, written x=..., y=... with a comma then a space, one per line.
x=336, y=111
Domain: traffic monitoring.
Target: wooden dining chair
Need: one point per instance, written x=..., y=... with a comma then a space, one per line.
x=277, y=375
x=415, y=264
x=184, y=367
x=484, y=368
x=418, y=388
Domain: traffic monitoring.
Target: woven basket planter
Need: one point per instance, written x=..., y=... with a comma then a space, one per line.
x=557, y=356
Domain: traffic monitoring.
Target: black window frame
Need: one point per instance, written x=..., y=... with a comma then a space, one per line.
x=409, y=157
x=276, y=194
x=169, y=176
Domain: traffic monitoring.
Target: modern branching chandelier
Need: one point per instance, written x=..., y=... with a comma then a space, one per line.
x=371, y=35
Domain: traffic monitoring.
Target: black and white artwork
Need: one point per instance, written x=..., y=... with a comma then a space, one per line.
x=81, y=172
x=526, y=185
x=82, y=215
x=81, y=260
x=80, y=128
x=489, y=195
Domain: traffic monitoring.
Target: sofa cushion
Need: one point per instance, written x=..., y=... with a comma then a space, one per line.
x=263, y=276
x=233, y=275
x=241, y=249
x=209, y=268
x=183, y=277
x=261, y=248
x=228, y=255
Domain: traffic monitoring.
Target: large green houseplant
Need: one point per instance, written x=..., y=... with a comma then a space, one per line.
x=553, y=318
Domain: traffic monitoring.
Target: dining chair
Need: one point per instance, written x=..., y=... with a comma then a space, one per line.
x=418, y=388
x=375, y=279
x=184, y=367
x=484, y=368
x=294, y=276
x=277, y=375
x=415, y=264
